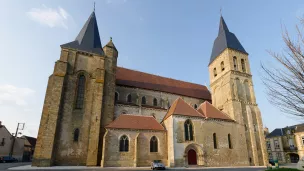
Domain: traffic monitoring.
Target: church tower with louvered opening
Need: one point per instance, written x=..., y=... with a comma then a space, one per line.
x=232, y=91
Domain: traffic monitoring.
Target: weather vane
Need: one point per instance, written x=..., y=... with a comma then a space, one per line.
x=221, y=11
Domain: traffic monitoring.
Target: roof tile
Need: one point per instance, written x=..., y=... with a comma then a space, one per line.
x=180, y=107
x=127, y=77
x=209, y=111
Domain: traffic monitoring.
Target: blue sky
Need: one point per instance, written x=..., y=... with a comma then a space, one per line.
x=167, y=38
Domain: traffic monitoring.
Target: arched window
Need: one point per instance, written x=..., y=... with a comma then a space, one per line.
x=153, y=144
x=143, y=100
x=80, y=92
x=124, y=144
x=222, y=66
x=76, y=135
x=116, y=97
x=245, y=127
x=129, y=98
x=188, y=130
x=243, y=65
x=154, y=102
x=229, y=141
x=254, y=127
x=195, y=106
x=235, y=63
x=214, y=72
x=214, y=141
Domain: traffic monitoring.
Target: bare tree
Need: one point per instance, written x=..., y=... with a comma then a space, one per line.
x=285, y=82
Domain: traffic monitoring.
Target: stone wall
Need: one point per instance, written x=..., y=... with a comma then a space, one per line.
x=139, y=148
x=203, y=143
x=51, y=113
x=232, y=91
x=110, y=64
x=164, y=101
x=60, y=118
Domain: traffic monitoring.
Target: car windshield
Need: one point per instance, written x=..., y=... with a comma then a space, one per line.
x=156, y=161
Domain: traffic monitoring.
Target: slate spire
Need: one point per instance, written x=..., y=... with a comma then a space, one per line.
x=223, y=26
x=88, y=39
x=225, y=39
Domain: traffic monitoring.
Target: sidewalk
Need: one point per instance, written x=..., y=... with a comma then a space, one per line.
x=29, y=167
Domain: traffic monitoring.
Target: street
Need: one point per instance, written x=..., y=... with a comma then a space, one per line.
x=26, y=166
x=5, y=166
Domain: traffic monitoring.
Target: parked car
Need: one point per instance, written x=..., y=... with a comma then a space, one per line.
x=8, y=159
x=271, y=162
x=157, y=164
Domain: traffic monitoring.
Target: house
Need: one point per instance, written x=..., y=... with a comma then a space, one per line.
x=283, y=144
x=23, y=146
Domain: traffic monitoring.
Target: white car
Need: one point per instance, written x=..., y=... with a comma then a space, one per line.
x=157, y=164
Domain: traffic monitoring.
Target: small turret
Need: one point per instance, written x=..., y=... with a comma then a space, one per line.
x=110, y=49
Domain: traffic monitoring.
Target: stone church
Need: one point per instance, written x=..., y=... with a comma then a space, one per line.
x=96, y=113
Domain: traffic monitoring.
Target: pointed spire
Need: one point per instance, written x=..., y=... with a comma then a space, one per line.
x=224, y=40
x=88, y=38
x=111, y=44
x=223, y=26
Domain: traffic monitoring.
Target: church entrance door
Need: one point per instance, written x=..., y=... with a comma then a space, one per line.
x=192, y=157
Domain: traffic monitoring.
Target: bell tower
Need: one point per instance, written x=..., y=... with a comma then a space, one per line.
x=233, y=93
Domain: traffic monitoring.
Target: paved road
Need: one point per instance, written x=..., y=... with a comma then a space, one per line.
x=209, y=169
x=5, y=166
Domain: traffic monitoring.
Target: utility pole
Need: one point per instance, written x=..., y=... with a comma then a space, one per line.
x=14, y=137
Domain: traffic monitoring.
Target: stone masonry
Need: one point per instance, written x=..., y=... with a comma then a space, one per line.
x=85, y=94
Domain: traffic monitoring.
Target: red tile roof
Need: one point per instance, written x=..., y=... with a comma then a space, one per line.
x=180, y=107
x=131, y=78
x=209, y=111
x=126, y=121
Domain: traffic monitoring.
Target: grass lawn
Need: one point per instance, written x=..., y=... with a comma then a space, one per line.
x=283, y=169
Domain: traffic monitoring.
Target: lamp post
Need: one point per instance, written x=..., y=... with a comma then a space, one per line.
x=15, y=136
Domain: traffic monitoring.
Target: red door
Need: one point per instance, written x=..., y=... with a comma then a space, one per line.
x=192, y=157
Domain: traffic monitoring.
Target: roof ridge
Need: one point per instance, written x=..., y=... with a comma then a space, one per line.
x=193, y=108
x=162, y=76
x=220, y=110
x=135, y=115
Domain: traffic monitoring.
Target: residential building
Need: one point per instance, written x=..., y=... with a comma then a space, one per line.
x=23, y=146
x=281, y=145
x=299, y=139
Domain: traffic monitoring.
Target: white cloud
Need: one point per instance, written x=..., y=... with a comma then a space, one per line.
x=49, y=16
x=12, y=94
